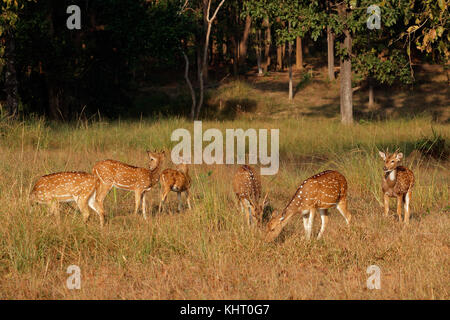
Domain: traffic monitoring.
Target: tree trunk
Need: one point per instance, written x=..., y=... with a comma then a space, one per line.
x=346, y=91
x=267, y=43
x=11, y=76
x=279, y=58
x=299, y=54
x=330, y=45
x=243, y=45
x=291, y=91
x=346, y=82
x=191, y=88
x=371, y=99
x=201, y=77
x=205, y=28
x=279, y=53
x=235, y=55
x=258, y=52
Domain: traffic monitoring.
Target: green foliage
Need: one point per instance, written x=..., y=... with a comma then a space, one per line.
x=124, y=42
x=433, y=146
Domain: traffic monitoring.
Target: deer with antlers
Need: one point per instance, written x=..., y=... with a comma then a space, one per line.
x=177, y=181
x=66, y=187
x=112, y=173
x=247, y=188
x=320, y=192
x=397, y=182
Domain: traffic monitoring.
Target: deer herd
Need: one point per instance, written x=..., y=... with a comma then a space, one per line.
x=317, y=194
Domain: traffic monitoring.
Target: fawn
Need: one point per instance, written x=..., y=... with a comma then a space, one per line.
x=397, y=182
x=66, y=187
x=320, y=192
x=247, y=187
x=175, y=180
x=112, y=173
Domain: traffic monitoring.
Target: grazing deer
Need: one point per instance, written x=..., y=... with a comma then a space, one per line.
x=66, y=187
x=320, y=192
x=112, y=173
x=247, y=187
x=175, y=180
x=397, y=182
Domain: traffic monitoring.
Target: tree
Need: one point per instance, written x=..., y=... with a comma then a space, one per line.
x=297, y=16
x=203, y=59
x=346, y=92
x=8, y=18
x=261, y=12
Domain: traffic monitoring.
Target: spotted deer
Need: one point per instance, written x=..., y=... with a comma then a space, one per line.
x=397, y=182
x=177, y=181
x=320, y=192
x=247, y=188
x=112, y=173
x=66, y=187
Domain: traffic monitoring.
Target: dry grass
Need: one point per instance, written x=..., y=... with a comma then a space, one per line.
x=209, y=252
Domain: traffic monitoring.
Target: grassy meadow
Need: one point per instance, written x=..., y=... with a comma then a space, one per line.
x=209, y=252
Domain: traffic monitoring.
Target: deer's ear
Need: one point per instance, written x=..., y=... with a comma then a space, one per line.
x=382, y=154
x=399, y=156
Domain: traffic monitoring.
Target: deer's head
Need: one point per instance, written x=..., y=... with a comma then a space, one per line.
x=274, y=226
x=258, y=209
x=391, y=161
x=155, y=159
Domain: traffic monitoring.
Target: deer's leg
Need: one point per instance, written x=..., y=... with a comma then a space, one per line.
x=179, y=201
x=188, y=200
x=305, y=215
x=54, y=210
x=342, y=208
x=324, y=218
x=163, y=197
x=97, y=207
x=144, y=205
x=241, y=205
x=312, y=213
x=98, y=203
x=137, y=200
x=399, y=207
x=249, y=211
x=102, y=192
x=82, y=203
x=406, y=205
x=386, y=205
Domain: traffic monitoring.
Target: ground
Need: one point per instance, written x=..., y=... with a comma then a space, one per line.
x=209, y=252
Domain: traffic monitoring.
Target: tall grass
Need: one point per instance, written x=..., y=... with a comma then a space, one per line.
x=209, y=252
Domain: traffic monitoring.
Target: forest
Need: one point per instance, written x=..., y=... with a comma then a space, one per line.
x=122, y=46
